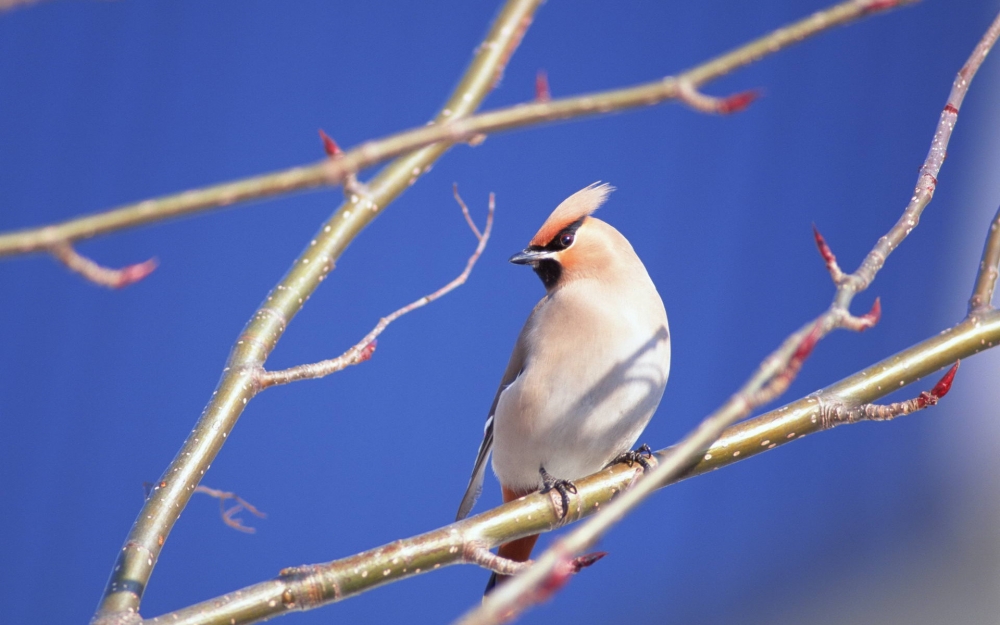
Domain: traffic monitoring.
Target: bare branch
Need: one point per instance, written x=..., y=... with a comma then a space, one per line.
x=770, y=378
x=98, y=274
x=229, y=514
x=927, y=179
x=450, y=128
x=986, y=279
x=364, y=348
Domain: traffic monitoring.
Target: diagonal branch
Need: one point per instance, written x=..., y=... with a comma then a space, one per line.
x=525, y=589
x=451, y=127
x=364, y=348
x=312, y=586
x=239, y=383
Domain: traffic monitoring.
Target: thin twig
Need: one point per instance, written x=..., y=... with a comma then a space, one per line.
x=229, y=514
x=986, y=279
x=98, y=274
x=238, y=385
x=449, y=129
x=364, y=348
x=524, y=590
x=838, y=414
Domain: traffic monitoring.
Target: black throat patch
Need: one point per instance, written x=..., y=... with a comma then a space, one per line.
x=549, y=271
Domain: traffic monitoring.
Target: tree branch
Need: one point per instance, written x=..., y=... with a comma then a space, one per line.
x=525, y=589
x=986, y=278
x=239, y=384
x=308, y=587
x=450, y=128
x=364, y=348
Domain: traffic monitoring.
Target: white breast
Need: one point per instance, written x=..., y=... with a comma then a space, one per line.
x=589, y=389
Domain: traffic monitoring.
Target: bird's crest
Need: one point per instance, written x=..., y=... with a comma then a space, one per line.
x=580, y=204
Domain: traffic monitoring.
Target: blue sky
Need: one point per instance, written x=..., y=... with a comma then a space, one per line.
x=103, y=103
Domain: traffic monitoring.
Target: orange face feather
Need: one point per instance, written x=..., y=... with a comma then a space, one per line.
x=580, y=204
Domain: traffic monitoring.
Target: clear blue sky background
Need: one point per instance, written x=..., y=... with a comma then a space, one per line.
x=103, y=103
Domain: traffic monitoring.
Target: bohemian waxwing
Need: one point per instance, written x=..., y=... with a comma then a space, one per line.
x=588, y=368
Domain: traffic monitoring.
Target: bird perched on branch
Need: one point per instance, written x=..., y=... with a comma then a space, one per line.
x=588, y=368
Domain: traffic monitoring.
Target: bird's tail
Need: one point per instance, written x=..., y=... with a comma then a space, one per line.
x=518, y=550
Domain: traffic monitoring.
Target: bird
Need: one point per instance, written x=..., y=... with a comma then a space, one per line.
x=587, y=371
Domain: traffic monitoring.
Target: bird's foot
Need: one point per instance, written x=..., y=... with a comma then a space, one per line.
x=563, y=487
x=640, y=456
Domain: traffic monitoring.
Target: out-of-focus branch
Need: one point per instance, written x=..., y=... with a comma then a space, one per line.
x=103, y=276
x=535, y=584
x=240, y=379
x=364, y=348
x=449, y=128
x=6, y=5
x=308, y=587
x=986, y=279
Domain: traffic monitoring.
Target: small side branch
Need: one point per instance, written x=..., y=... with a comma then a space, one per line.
x=839, y=414
x=986, y=280
x=479, y=554
x=98, y=274
x=688, y=94
x=229, y=514
x=364, y=348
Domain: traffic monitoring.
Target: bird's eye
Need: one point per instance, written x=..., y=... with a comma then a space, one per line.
x=566, y=240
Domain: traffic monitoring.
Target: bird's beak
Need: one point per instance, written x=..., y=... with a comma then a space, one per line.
x=529, y=256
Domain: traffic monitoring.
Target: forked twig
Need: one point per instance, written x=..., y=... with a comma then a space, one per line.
x=364, y=348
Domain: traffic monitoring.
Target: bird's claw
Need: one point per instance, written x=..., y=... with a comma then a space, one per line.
x=640, y=456
x=563, y=487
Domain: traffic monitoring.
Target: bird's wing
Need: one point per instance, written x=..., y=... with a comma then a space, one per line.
x=514, y=367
